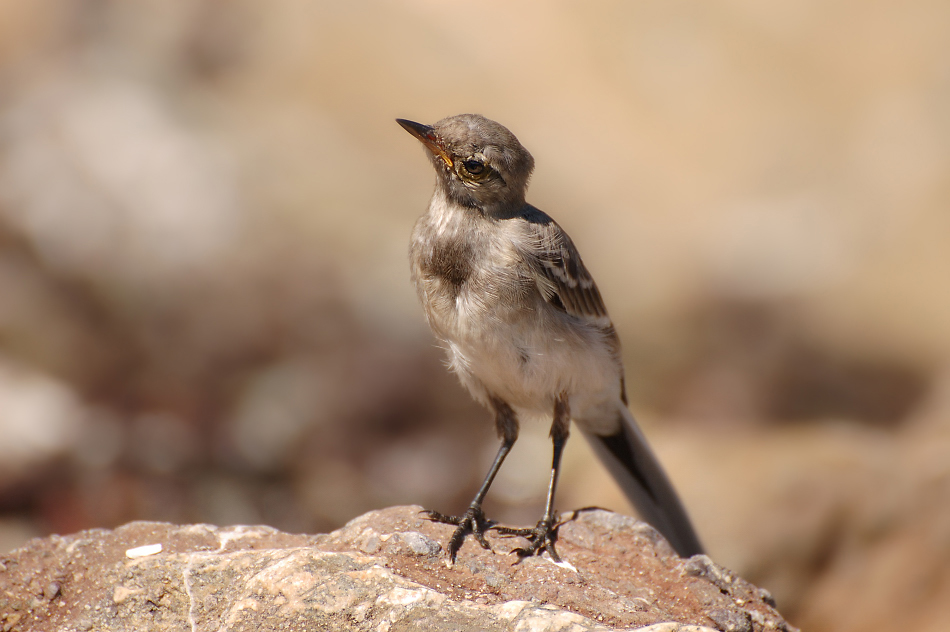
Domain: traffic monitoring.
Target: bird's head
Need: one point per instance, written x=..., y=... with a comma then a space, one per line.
x=479, y=163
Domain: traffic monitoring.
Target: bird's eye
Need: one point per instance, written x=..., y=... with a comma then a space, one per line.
x=474, y=167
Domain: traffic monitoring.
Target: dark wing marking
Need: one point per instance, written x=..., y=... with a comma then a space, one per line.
x=561, y=276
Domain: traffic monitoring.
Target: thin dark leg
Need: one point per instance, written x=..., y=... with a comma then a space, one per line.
x=473, y=521
x=543, y=536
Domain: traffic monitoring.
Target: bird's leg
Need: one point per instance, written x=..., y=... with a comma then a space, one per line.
x=473, y=521
x=543, y=536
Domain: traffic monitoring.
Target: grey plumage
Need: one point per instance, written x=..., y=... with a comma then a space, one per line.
x=523, y=323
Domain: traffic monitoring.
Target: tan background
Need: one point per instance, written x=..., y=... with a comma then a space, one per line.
x=205, y=312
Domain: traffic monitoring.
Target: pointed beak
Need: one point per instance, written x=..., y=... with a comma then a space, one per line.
x=427, y=136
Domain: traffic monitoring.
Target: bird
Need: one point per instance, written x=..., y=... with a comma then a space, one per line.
x=525, y=328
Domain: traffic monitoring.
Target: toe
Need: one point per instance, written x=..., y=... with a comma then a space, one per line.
x=435, y=516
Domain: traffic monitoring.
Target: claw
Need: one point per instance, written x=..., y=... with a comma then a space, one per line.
x=540, y=539
x=473, y=522
x=435, y=516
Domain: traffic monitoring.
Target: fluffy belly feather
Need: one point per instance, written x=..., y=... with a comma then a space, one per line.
x=528, y=366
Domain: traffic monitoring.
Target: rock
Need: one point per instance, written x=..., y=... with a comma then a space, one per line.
x=382, y=571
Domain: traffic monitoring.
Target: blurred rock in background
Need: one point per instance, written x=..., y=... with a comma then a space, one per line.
x=205, y=312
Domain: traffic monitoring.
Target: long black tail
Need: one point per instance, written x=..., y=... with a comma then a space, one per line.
x=636, y=469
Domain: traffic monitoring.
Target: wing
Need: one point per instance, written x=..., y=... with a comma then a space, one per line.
x=560, y=274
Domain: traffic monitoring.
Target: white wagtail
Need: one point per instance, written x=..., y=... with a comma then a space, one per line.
x=526, y=331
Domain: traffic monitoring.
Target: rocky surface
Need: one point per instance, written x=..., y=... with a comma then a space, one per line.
x=383, y=571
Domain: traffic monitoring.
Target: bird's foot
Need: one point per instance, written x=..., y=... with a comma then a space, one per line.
x=472, y=522
x=541, y=538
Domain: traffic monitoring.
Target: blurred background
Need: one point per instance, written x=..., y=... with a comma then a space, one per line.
x=206, y=315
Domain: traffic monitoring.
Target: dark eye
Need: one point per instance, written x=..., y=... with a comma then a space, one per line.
x=474, y=167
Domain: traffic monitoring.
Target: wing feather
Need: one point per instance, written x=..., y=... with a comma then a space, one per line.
x=560, y=274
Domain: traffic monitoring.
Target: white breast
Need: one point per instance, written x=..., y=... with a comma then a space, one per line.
x=503, y=340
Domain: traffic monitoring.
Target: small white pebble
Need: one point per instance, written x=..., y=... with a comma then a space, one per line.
x=144, y=551
x=563, y=564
